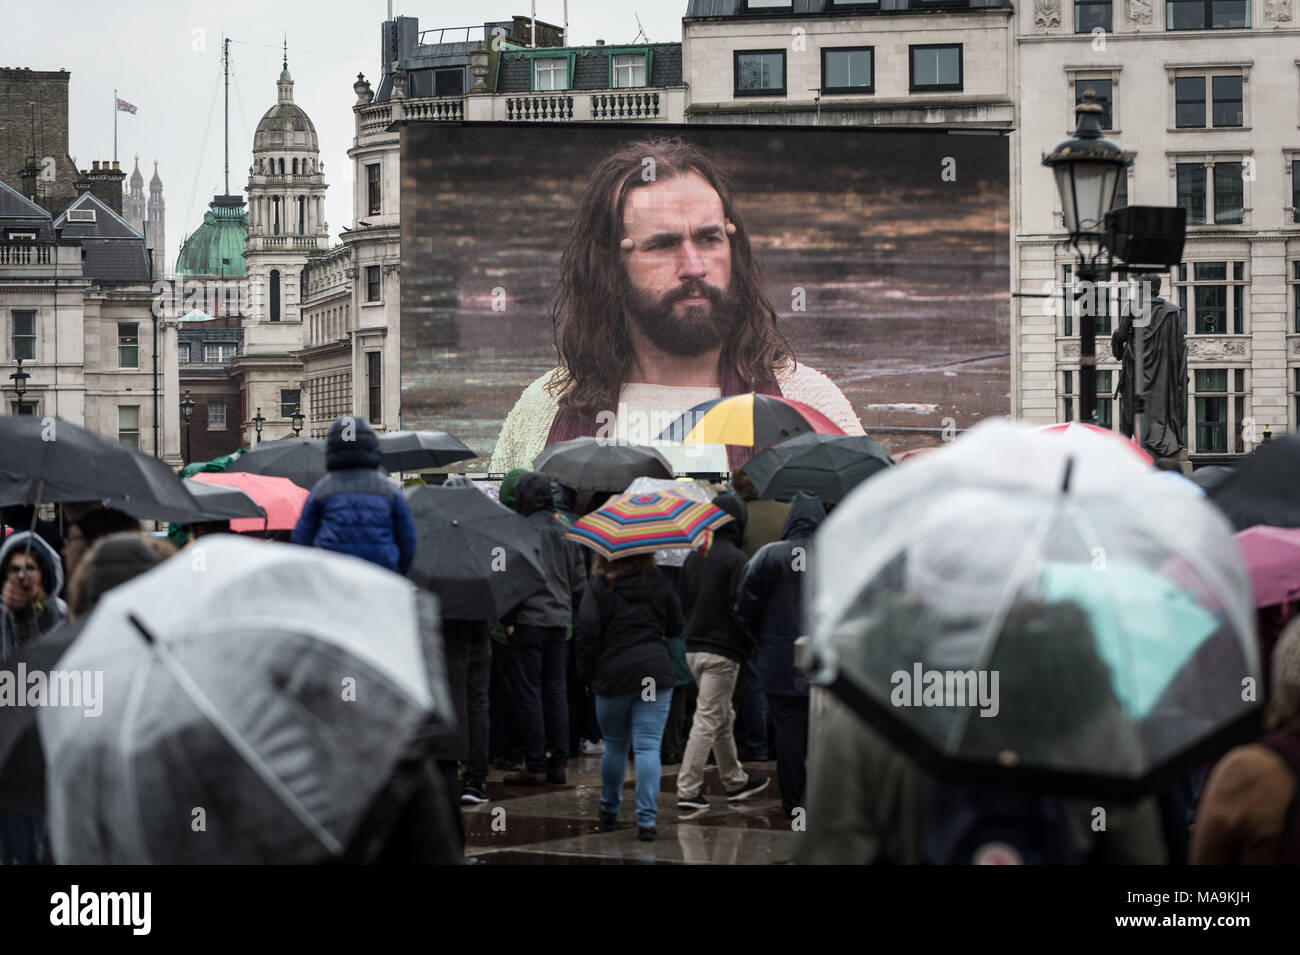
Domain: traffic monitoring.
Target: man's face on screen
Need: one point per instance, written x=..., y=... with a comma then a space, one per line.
x=679, y=270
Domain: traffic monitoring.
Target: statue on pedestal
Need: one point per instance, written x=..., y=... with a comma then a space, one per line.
x=1152, y=348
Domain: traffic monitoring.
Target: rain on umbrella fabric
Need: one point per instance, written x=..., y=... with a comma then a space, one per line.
x=695, y=490
x=301, y=460
x=224, y=678
x=478, y=556
x=1033, y=579
x=280, y=498
x=748, y=420
x=826, y=465
x=49, y=460
x=421, y=450
x=1272, y=555
x=644, y=523
x=595, y=464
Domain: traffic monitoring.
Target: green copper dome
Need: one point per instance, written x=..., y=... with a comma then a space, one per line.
x=222, y=236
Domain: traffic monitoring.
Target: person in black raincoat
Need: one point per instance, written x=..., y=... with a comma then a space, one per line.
x=769, y=605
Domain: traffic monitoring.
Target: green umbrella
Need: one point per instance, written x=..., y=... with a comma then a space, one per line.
x=216, y=464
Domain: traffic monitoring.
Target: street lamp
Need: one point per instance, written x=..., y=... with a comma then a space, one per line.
x=187, y=409
x=1087, y=170
x=258, y=421
x=20, y=384
x=297, y=418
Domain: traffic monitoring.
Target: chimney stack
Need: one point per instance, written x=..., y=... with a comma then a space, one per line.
x=105, y=181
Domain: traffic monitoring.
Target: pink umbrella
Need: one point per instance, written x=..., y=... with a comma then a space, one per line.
x=1273, y=559
x=279, y=497
x=1071, y=428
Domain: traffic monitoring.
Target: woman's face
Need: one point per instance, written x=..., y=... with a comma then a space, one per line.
x=25, y=569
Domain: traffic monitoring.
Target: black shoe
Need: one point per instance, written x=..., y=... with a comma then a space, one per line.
x=753, y=787
x=509, y=765
x=525, y=779
x=473, y=793
x=691, y=803
x=670, y=759
x=645, y=833
x=608, y=821
x=555, y=775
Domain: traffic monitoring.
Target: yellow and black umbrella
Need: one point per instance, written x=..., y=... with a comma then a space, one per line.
x=748, y=420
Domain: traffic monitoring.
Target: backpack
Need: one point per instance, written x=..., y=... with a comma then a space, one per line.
x=1287, y=746
x=968, y=825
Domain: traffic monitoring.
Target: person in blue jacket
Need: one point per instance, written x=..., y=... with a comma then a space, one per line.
x=355, y=509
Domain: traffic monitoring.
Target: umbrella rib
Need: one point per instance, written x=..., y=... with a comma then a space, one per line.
x=232, y=736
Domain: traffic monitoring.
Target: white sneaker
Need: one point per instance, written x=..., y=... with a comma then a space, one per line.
x=592, y=749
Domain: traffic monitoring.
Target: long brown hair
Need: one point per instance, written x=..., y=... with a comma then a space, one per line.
x=588, y=306
x=612, y=570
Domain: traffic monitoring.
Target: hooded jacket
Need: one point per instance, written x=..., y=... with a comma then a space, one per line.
x=708, y=585
x=355, y=509
x=565, y=574
x=26, y=625
x=769, y=599
x=622, y=633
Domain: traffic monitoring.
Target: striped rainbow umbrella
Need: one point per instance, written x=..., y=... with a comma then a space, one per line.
x=748, y=420
x=644, y=523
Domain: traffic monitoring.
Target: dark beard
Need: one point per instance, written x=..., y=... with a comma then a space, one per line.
x=701, y=329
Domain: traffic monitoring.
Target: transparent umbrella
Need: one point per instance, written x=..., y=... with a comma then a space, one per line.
x=1026, y=611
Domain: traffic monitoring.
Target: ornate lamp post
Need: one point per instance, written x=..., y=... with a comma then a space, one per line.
x=19, y=378
x=258, y=421
x=187, y=409
x=1087, y=171
x=297, y=418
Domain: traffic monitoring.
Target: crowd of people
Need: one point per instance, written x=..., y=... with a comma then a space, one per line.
x=642, y=663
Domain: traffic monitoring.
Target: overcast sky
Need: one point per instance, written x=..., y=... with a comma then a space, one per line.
x=164, y=57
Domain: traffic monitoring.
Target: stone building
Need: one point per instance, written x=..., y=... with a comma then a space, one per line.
x=148, y=216
x=1205, y=95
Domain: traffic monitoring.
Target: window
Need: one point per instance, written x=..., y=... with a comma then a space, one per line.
x=1102, y=90
x=217, y=352
x=275, y=208
x=14, y=236
x=302, y=214
x=759, y=72
x=1079, y=301
x=1091, y=14
x=1229, y=193
x=275, y=294
x=128, y=425
x=372, y=283
x=936, y=67
x=374, y=385
x=25, y=407
x=1219, y=408
x=216, y=416
x=128, y=345
x=551, y=73
x=183, y=353
x=81, y=215
x=766, y=6
x=1189, y=102
x=1295, y=301
x=1107, y=400
x=449, y=81
x=1227, y=198
x=628, y=69
x=1295, y=193
x=24, y=336
x=1227, y=100
x=290, y=401
x=1217, y=302
x=373, y=194
x=1191, y=191
x=849, y=70
x=1207, y=14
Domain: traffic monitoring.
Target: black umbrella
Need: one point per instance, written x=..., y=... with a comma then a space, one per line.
x=1263, y=489
x=301, y=460
x=49, y=460
x=221, y=502
x=595, y=464
x=828, y=465
x=479, y=557
x=420, y=450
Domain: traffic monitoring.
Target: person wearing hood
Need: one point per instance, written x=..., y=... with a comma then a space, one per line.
x=716, y=647
x=769, y=605
x=538, y=628
x=355, y=509
x=627, y=615
x=113, y=560
x=31, y=577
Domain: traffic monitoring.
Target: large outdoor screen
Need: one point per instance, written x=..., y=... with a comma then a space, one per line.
x=568, y=280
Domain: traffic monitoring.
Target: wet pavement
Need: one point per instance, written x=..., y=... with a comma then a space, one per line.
x=558, y=825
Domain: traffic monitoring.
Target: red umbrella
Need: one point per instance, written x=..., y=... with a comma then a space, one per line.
x=1273, y=559
x=279, y=497
x=1070, y=429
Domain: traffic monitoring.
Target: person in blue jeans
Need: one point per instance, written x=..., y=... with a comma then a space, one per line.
x=627, y=613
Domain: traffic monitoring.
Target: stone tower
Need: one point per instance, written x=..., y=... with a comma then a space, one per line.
x=155, y=237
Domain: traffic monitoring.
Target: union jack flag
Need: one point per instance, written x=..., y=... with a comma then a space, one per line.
x=124, y=107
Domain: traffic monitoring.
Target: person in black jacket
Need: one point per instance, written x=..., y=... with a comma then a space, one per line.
x=627, y=613
x=716, y=646
x=769, y=605
x=538, y=628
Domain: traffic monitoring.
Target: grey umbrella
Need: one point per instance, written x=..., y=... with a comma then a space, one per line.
x=595, y=464
x=219, y=502
x=266, y=691
x=301, y=460
x=421, y=450
x=828, y=465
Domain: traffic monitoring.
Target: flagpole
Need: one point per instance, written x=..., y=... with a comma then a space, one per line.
x=114, y=124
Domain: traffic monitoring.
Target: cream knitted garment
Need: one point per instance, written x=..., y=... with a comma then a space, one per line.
x=523, y=436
